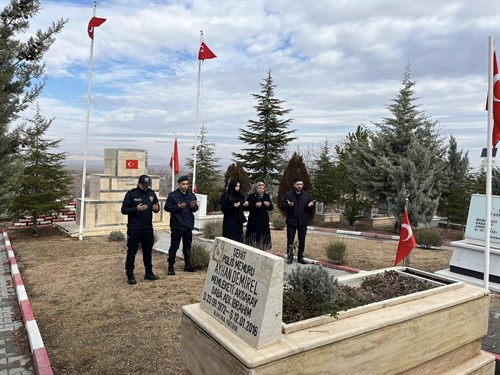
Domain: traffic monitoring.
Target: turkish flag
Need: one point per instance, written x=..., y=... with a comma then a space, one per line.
x=195, y=190
x=131, y=164
x=174, y=159
x=496, y=102
x=205, y=52
x=94, y=22
x=406, y=239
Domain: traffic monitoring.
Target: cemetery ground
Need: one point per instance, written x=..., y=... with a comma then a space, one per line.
x=93, y=322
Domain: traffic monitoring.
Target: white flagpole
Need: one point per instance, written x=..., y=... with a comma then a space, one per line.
x=84, y=173
x=174, y=137
x=197, y=119
x=487, y=229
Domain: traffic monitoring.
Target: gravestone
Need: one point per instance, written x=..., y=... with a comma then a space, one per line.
x=244, y=291
x=468, y=259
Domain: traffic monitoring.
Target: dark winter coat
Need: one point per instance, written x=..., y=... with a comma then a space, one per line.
x=136, y=219
x=232, y=224
x=181, y=218
x=258, y=233
x=298, y=214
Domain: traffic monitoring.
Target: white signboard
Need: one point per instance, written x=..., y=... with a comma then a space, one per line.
x=244, y=291
x=476, y=222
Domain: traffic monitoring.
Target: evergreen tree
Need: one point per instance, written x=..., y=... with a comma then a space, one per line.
x=207, y=170
x=390, y=159
x=324, y=177
x=234, y=171
x=295, y=168
x=267, y=138
x=350, y=197
x=45, y=185
x=21, y=81
x=454, y=201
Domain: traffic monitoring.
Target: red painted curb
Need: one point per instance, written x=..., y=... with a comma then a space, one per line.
x=40, y=357
x=337, y=266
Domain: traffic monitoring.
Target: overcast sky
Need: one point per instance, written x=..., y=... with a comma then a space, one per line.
x=337, y=64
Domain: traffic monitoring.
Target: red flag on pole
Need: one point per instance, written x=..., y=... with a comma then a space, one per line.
x=406, y=239
x=195, y=190
x=94, y=22
x=205, y=52
x=496, y=102
x=174, y=159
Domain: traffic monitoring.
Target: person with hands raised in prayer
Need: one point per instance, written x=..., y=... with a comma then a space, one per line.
x=258, y=233
x=232, y=204
x=139, y=205
x=181, y=204
x=297, y=204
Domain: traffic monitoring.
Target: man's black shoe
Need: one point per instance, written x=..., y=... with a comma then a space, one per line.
x=131, y=280
x=301, y=261
x=151, y=276
x=188, y=269
x=289, y=257
x=171, y=270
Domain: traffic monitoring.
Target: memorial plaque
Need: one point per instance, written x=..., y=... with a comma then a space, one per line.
x=244, y=291
x=476, y=219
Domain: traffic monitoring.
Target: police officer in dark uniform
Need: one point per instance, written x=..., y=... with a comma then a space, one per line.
x=181, y=204
x=139, y=204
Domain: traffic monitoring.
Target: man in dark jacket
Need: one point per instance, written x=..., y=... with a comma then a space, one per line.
x=139, y=205
x=181, y=204
x=297, y=204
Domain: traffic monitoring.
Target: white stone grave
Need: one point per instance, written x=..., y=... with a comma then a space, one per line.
x=244, y=291
x=468, y=259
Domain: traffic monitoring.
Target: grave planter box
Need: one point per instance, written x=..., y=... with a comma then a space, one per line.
x=436, y=331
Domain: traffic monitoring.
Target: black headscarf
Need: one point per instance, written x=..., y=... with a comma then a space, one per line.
x=232, y=195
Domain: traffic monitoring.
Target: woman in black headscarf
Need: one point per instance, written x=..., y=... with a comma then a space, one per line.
x=232, y=204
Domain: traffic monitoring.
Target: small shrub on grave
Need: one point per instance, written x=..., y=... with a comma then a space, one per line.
x=278, y=222
x=309, y=292
x=116, y=236
x=429, y=237
x=336, y=251
x=212, y=229
x=200, y=255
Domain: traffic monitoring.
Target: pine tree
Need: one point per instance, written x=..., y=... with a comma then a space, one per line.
x=295, y=168
x=324, y=177
x=267, y=138
x=234, y=171
x=21, y=81
x=207, y=170
x=45, y=184
x=454, y=201
x=390, y=159
x=350, y=197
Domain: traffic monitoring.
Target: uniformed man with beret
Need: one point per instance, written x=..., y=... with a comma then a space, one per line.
x=181, y=203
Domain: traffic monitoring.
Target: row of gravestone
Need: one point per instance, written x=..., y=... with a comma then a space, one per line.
x=67, y=213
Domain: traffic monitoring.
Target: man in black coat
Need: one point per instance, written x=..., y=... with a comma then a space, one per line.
x=297, y=204
x=139, y=205
x=181, y=204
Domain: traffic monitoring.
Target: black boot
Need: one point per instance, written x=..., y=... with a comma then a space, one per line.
x=131, y=279
x=171, y=270
x=187, y=264
x=151, y=276
x=289, y=255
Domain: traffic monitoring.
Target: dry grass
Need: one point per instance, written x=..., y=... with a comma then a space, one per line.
x=93, y=322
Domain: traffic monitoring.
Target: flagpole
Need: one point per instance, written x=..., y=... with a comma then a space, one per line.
x=84, y=173
x=197, y=118
x=174, y=136
x=487, y=229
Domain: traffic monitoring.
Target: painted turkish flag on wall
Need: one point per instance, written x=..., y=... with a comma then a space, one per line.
x=406, y=239
x=132, y=164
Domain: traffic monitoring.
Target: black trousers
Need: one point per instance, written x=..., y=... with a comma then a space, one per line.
x=136, y=237
x=176, y=236
x=301, y=231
